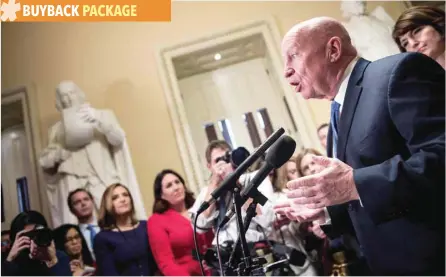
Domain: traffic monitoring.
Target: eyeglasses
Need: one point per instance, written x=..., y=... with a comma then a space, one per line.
x=73, y=238
x=5, y=243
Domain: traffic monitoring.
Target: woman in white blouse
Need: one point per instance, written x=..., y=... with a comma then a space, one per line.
x=285, y=231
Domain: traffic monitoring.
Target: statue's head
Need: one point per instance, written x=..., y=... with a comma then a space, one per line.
x=68, y=95
x=351, y=8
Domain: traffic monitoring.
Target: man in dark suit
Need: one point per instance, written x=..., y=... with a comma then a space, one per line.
x=385, y=181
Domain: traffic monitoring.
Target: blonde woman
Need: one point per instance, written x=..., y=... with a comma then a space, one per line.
x=122, y=245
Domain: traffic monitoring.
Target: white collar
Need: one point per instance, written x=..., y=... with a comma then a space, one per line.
x=85, y=225
x=340, y=96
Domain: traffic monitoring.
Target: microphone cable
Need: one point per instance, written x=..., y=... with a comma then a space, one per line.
x=196, y=246
x=218, y=252
x=280, y=231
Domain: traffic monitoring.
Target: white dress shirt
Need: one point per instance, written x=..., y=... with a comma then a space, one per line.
x=339, y=98
x=86, y=233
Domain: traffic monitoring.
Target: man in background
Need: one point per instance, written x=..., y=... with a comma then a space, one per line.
x=81, y=204
x=211, y=218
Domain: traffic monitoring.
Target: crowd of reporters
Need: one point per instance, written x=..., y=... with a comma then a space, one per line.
x=111, y=241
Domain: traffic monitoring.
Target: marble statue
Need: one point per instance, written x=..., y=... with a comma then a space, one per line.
x=87, y=149
x=371, y=33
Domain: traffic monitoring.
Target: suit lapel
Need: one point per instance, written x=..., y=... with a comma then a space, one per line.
x=352, y=95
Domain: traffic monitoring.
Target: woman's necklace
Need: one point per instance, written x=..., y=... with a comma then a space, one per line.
x=133, y=231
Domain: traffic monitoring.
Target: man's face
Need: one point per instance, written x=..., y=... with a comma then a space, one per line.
x=215, y=154
x=322, y=134
x=82, y=204
x=6, y=243
x=305, y=64
x=218, y=167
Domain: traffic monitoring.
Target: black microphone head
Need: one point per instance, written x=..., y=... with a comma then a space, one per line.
x=297, y=258
x=281, y=151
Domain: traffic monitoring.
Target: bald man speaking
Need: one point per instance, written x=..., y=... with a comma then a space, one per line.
x=386, y=173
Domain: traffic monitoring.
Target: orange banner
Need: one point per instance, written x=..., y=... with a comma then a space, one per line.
x=84, y=10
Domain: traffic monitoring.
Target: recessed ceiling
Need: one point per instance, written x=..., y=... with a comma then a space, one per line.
x=219, y=56
x=12, y=114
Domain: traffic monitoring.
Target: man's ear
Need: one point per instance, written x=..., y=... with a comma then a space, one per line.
x=334, y=49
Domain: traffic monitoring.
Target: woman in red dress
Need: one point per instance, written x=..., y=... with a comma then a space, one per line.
x=170, y=229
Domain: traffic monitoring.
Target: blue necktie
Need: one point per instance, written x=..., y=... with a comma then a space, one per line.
x=334, y=122
x=90, y=227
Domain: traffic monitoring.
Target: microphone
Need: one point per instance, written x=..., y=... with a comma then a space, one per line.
x=297, y=258
x=277, y=156
x=231, y=180
x=294, y=256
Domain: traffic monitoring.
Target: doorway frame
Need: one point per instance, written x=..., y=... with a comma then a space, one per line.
x=31, y=125
x=269, y=31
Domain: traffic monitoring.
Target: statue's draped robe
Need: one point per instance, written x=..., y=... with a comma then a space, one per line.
x=103, y=161
x=372, y=34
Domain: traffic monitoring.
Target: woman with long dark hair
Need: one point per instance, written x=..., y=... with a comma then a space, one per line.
x=169, y=228
x=69, y=239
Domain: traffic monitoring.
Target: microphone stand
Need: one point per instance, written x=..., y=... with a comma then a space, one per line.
x=281, y=151
x=248, y=265
x=237, y=200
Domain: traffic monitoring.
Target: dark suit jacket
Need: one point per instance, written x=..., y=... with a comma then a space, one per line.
x=392, y=132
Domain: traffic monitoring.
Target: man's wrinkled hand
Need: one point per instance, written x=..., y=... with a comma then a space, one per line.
x=332, y=186
x=298, y=213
